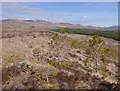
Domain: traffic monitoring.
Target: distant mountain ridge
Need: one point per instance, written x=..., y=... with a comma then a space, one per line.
x=42, y=25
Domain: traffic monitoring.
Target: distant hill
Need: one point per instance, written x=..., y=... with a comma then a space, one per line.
x=38, y=25
x=41, y=25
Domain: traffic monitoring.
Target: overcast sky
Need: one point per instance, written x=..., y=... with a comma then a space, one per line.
x=87, y=13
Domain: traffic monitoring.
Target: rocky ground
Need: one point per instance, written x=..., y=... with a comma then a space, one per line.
x=49, y=60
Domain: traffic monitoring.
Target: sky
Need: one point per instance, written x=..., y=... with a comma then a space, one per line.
x=86, y=13
x=60, y=0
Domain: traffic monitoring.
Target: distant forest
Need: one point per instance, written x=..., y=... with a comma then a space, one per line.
x=108, y=34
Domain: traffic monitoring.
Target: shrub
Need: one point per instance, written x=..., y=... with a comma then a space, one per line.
x=65, y=64
x=54, y=63
x=75, y=43
x=103, y=71
x=36, y=51
x=24, y=66
x=104, y=74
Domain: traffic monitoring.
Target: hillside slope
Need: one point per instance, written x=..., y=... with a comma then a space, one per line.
x=50, y=60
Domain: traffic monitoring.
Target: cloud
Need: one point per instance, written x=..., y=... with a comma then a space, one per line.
x=87, y=21
x=69, y=16
x=85, y=16
x=97, y=20
x=21, y=8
